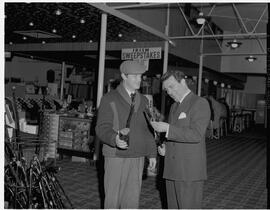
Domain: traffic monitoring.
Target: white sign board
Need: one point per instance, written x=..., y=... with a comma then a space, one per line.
x=141, y=53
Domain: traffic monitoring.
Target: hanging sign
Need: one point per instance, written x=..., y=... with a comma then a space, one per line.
x=141, y=53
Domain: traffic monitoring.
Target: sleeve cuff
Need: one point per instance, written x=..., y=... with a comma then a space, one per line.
x=167, y=132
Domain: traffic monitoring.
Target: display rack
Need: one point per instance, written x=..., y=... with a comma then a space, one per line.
x=74, y=137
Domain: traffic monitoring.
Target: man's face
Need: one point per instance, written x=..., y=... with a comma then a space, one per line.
x=132, y=81
x=173, y=88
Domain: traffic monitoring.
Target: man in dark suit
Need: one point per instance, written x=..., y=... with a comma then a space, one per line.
x=185, y=160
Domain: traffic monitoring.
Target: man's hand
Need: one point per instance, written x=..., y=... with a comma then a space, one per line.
x=121, y=143
x=152, y=163
x=160, y=126
x=162, y=150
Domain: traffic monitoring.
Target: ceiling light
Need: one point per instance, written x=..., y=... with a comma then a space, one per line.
x=91, y=41
x=234, y=44
x=58, y=12
x=134, y=40
x=250, y=58
x=54, y=30
x=120, y=35
x=73, y=36
x=206, y=80
x=82, y=21
x=24, y=38
x=31, y=24
x=222, y=85
x=11, y=43
x=201, y=18
x=43, y=42
x=215, y=82
x=229, y=86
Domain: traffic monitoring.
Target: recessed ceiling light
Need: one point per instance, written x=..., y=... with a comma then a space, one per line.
x=58, y=12
x=120, y=35
x=54, y=30
x=43, y=42
x=82, y=21
x=31, y=24
x=134, y=40
x=73, y=36
x=91, y=41
x=24, y=38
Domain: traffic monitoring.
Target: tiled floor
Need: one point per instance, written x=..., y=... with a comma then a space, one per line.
x=236, y=177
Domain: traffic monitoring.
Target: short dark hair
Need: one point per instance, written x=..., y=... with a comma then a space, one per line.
x=178, y=75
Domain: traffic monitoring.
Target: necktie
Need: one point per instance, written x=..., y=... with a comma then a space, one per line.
x=132, y=95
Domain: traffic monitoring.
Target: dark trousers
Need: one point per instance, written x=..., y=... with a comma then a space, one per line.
x=184, y=195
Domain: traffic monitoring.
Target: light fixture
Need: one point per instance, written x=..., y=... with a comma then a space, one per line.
x=31, y=24
x=229, y=86
x=222, y=85
x=206, y=80
x=43, y=42
x=90, y=40
x=250, y=58
x=24, y=38
x=215, y=82
x=201, y=19
x=73, y=36
x=234, y=44
x=82, y=21
x=58, y=12
x=134, y=40
x=194, y=78
x=11, y=43
x=54, y=30
x=120, y=35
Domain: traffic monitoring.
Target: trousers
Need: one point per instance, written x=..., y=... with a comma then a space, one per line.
x=184, y=194
x=122, y=182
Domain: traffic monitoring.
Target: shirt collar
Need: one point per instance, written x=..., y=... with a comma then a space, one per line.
x=181, y=100
x=128, y=91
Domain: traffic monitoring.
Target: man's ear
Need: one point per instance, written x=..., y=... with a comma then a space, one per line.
x=124, y=77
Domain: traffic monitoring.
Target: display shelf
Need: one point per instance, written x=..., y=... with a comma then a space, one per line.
x=74, y=137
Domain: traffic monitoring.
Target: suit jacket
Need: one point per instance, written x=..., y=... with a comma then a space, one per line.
x=185, y=158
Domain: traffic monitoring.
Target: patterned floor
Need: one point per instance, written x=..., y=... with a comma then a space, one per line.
x=236, y=177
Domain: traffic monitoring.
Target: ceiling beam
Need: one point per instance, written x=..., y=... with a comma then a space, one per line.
x=137, y=5
x=233, y=54
x=78, y=46
x=103, y=7
x=249, y=35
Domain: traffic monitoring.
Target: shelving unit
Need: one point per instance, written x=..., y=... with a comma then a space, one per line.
x=74, y=137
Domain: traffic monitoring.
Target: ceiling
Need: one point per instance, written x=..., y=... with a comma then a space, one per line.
x=80, y=23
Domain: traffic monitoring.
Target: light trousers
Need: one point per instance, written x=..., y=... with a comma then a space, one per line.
x=122, y=182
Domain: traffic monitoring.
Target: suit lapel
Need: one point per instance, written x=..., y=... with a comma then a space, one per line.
x=181, y=107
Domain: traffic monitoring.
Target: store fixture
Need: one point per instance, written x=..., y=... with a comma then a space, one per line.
x=234, y=44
